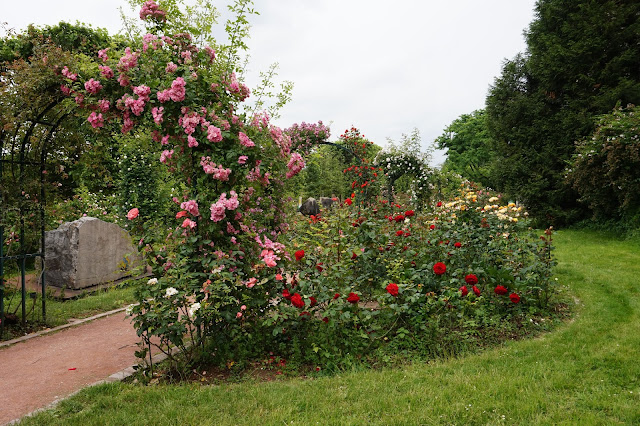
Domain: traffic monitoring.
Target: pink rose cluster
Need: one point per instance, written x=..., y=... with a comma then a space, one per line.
x=96, y=120
x=219, y=172
x=65, y=72
x=305, y=135
x=295, y=165
x=166, y=155
x=245, y=141
x=223, y=204
x=176, y=93
x=150, y=9
x=191, y=206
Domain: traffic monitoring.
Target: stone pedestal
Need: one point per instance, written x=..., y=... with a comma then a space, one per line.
x=88, y=252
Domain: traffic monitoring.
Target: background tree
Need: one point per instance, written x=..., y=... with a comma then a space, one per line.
x=582, y=57
x=468, y=145
x=606, y=168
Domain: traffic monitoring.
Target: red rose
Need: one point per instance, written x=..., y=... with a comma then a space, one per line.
x=335, y=296
x=304, y=314
x=354, y=256
x=514, y=298
x=326, y=320
x=353, y=298
x=399, y=233
x=407, y=234
x=286, y=294
x=348, y=201
x=464, y=291
x=314, y=301
x=409, y=213
x=457, y=245
x=500, y=290
x=392, y=289
x=476, y=291
x=471, y=279
x=299, y=254
x=432, y=227
x=319, y=267
x=296, y=300
x=181, y=214
x=439, y=268
x=399, y=218
x=439, y=204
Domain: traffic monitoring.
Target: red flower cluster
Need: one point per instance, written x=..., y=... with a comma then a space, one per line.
x=476, y=291
x=439, y=268
x=464, y=291
x=392, y=289
x=514, y=298
x=348, y=201
x=409, y=213
x=299, y=254
x=353, y=298
x=471, y=279
x=501, y=290
x=457, y=245
x=296, y=300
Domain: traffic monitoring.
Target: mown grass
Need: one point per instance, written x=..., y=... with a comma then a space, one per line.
x=585, y=372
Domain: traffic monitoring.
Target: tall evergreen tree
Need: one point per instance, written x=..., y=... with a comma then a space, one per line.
x=583, y=56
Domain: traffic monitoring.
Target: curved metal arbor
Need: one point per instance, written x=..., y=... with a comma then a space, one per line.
x=23, y=153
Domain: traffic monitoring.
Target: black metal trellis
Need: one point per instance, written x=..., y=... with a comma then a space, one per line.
x=9, y=161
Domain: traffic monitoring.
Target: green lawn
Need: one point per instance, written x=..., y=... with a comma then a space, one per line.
x=585, y=372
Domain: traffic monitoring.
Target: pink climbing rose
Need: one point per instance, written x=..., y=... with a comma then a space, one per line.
x=133, y=213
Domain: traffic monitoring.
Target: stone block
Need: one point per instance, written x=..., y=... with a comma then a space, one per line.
x=88, y=252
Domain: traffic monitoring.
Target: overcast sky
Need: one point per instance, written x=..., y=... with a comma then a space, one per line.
x=385, y=67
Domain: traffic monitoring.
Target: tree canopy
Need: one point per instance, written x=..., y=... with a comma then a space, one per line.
x=582, y=58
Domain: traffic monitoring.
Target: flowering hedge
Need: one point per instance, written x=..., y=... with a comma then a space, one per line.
x=214, y=270
x=363, y=280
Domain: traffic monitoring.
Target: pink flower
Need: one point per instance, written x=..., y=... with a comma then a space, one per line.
x=242, y=159
x=177, y=93
x=104, y=105
x=129, y=60
x=239, y=315
x=192, y=141
x=150, y=9
x=191, y=206
x=163, y=95
x=251, y=282
x=157, y=114
x=96, y=120
x=295, y=165
x=188, y=223
x=214, y=134
x=166, y=155
x=245, y=141
x=65, y=72
x=123, y=80
x=171, y=68
x=133, y=213
x=142, y=91
x=211, y=52
x=106, y=71
x=102, y=54
x=232, y=203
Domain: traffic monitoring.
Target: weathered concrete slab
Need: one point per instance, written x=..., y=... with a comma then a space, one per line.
x=88, y=252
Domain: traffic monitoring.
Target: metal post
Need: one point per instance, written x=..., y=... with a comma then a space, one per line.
x=1, y=276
